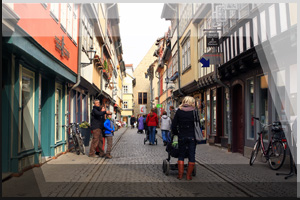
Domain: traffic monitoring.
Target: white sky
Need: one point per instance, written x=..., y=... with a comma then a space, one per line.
x=140, y=26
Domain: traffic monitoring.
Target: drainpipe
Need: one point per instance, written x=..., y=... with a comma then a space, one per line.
x=79, y=49
x=178, y=50
x=103, y=46
x=226, y=86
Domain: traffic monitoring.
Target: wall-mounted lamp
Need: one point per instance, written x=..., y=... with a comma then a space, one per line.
x=91, y=53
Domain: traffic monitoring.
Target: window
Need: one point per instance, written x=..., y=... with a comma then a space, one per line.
x=63, y=16
x=145, y=98
x=263, y=100
x=208, y=114
x=142, y=97
x=125, y=88
x=255, y=32
x=27, y=109
x=87, y=33
x=54, y=10
x=175, y=62
x=214, y=111
x=248, y=45
x=273, y=22
x=263, y=25
x=125, y=104
x=186, y=52
x=75, y=23
x=241, y=39
x=226, y=112
x=250, y=108
x=70, y=19
x=140, y=100
x=283, y=17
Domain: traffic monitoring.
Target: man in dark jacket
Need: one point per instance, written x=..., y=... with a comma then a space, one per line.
x=132, y=121
x=97, y=122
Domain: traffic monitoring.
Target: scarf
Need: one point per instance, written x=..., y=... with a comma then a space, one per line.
x=186, y=107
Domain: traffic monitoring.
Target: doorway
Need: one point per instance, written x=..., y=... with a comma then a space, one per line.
x=237, y=119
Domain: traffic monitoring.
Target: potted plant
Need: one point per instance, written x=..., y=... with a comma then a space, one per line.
x=85, y=130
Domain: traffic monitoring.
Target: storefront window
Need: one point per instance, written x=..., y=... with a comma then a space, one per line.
x=208, y=114
x=263, y=100
x=226, y=113
x=214, y=111
x=27, y=110
x=250, y=108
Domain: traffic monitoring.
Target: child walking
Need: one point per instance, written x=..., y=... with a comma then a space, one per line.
x=109, y=133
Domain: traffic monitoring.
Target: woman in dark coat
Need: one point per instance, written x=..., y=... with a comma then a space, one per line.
x=184, y=123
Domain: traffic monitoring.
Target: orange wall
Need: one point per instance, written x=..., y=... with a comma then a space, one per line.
x=37, y=22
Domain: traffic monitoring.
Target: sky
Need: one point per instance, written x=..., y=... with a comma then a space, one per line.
x=140, y=26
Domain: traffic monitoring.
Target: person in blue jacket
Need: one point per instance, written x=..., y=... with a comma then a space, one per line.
x=109, y=133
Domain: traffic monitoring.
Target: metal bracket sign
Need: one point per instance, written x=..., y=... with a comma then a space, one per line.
x=214, y=58
x=212, y=39
x=220, y=13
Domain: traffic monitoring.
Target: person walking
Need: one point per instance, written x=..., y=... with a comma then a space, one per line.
x=132, y=121
x=97, y=121
x=141, y=124
x=184, y=120
x=109, y=133
x=152, y=122
x=145, y=125
x=172, y=112
x=165, y=128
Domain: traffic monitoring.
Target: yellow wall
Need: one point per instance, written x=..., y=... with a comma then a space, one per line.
x=192, y=73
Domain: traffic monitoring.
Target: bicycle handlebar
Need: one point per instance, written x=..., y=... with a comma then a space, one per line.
x=263, y=125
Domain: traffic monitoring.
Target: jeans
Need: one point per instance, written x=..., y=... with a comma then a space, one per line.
x=152, y=134
x=189, y=145
x=166, y=135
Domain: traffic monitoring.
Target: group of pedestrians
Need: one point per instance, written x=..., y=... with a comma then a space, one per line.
x=102, y=126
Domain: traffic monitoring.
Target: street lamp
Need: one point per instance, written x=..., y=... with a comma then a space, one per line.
x=91, y=54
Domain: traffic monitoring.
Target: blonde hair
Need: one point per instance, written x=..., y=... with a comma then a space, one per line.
x=189, y=101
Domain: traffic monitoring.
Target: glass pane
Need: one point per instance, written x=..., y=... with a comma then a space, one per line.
x=208, y=114
x=145, y=98
x=226, y=123
x=214, y=113
x=27, y=112
x=250, y=108
x=140, y=98
x=263, y=100
x=58, y=114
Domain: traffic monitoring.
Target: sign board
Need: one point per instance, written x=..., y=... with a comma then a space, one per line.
x=143, y=109
x=214, y=22
x=212, y=39
x=214, y=58
x=158, y=105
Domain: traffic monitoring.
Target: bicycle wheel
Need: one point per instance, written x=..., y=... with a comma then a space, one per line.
x=254, y=152
x=80, y=145
x=76, y=144
x=276, y=155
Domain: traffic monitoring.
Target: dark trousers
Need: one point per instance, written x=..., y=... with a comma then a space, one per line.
x=189, y=145
x=97, y=141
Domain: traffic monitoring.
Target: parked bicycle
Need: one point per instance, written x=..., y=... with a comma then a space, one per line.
x=76, y=137
x=276, y=151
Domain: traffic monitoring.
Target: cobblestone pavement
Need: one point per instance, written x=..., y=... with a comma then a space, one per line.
x=136, y=171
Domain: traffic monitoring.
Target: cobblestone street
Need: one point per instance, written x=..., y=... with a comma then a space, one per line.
x=136, y=171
